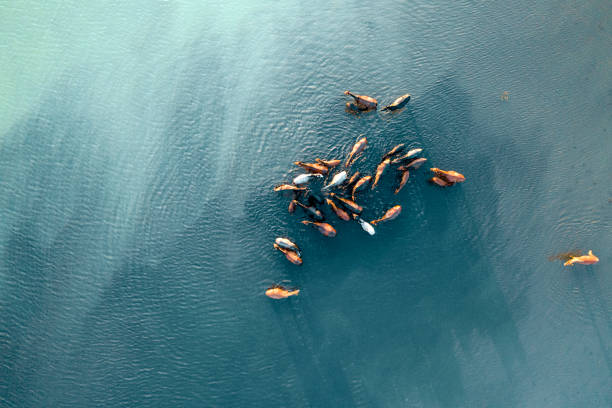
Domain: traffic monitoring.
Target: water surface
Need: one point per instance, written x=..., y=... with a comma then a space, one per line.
x=138, y=149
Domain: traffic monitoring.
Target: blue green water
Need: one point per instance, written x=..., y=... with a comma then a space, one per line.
x=139, y=144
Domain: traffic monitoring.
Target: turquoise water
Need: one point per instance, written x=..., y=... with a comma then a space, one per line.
x=138, y=149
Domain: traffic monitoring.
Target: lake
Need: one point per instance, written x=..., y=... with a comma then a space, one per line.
x=139, y=145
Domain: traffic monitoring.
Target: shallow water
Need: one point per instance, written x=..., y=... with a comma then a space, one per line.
x=139, y=146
